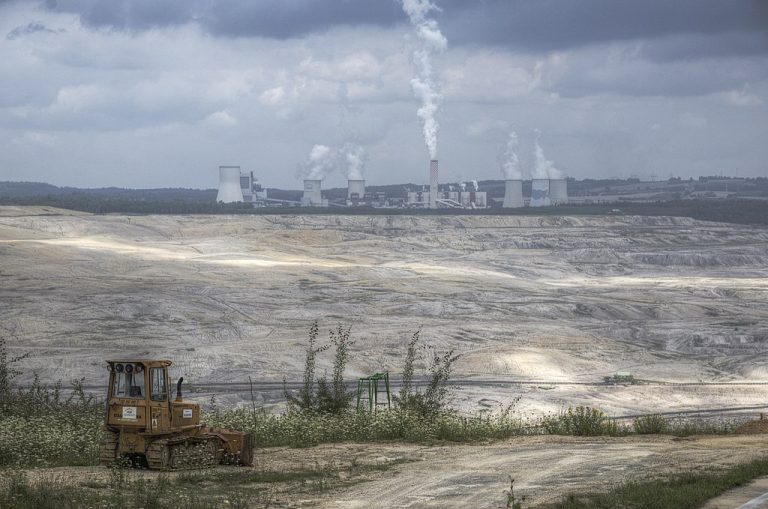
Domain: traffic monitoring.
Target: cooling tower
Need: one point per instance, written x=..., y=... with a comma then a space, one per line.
x=229, y=185
x=540, y=193
x=558, y=191
x=355, y=189
x=513, y=194
x=313, y=195
x=433, y=184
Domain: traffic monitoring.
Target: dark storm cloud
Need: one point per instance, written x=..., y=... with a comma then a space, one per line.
x=128, y=14
x=525, y=25
x=542, y=25
x=279, y=19
x=30, y=28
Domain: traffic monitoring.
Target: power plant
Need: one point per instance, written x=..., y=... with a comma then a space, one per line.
x=513, y=194
x=238, y=186
x=313, y=194
x=229, y=185
x=355, y=191
x=558, y=191
x=540, y=193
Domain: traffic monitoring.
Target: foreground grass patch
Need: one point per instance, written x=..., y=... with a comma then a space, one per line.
x=686, y=491
x=296, y=429
x=199, y=489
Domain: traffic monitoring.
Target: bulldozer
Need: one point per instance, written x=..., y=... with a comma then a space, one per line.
x=145, y=426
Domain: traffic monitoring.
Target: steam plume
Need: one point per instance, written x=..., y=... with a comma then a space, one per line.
x=431, y=41
x=510, y=163
x=355, y=158
x=544, y=169
x=320, y=162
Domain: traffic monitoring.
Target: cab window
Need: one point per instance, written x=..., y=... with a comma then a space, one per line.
x=159, y=392
x=128, y=384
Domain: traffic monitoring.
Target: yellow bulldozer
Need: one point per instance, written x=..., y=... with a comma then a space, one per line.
x=144, y=425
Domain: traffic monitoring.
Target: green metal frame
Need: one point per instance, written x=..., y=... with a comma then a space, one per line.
x=368, y=389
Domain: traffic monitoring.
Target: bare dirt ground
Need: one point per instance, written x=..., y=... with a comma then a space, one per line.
x=557, y=299
x=545, y=468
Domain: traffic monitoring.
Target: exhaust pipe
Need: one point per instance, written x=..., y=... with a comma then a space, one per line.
x=178, y=389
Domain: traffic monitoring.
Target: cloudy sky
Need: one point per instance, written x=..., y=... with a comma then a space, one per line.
x=158, y=93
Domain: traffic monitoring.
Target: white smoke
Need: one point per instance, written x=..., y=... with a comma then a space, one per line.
x=431, y=41
x=355, y=159
x=350, y=159
x=544, y=168
x=508, y=160
x=320, y=162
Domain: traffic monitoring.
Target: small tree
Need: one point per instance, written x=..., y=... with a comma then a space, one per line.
x=305, y=400
x=328, y=397
x=434, y=400
x=406, y=389
x=334, y=398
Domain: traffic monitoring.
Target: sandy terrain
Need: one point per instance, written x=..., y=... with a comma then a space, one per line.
x=557, y=299
x=545, y=468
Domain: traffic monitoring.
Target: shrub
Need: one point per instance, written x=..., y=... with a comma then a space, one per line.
x=334, y=398
x=329, y=397
x=581, y=421
x=653, y=424
x=434, y=400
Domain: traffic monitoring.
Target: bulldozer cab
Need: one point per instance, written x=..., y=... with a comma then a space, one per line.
x=140, y=399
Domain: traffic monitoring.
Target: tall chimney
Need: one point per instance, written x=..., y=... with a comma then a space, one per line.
x=513, y=194
x=433, y=184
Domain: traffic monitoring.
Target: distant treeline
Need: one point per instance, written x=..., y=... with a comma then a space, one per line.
x=741, y=211
x=752, y=187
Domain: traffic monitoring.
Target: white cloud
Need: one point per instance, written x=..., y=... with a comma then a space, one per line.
x=689, y=119
x=221, y=118
x=273, y=96
x=741, y=98
x=77, y=98
x=35, y=139
x=485, y=126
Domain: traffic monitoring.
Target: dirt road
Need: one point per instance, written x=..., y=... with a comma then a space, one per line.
x=544, y=469
x=460, y=476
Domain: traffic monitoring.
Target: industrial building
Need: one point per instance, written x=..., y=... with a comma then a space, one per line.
x=540, y=193
x=464, y=196
x=513, y=194
x=236, y=186
x=558, y=191
x=313, y=194
x=544, y=192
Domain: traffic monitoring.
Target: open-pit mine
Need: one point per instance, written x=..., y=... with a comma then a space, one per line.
x=540, y=308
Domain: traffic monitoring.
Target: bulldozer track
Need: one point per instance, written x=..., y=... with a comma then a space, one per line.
x=184, y=453
x=108, y=450
x=158, y=455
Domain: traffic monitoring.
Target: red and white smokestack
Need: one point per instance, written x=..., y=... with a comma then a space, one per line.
x=433, y=184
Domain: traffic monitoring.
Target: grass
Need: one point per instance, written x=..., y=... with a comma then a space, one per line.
x=61, y=437
x=582, y=421
x=299, y=429
x=686, y=491
x=125, y=488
